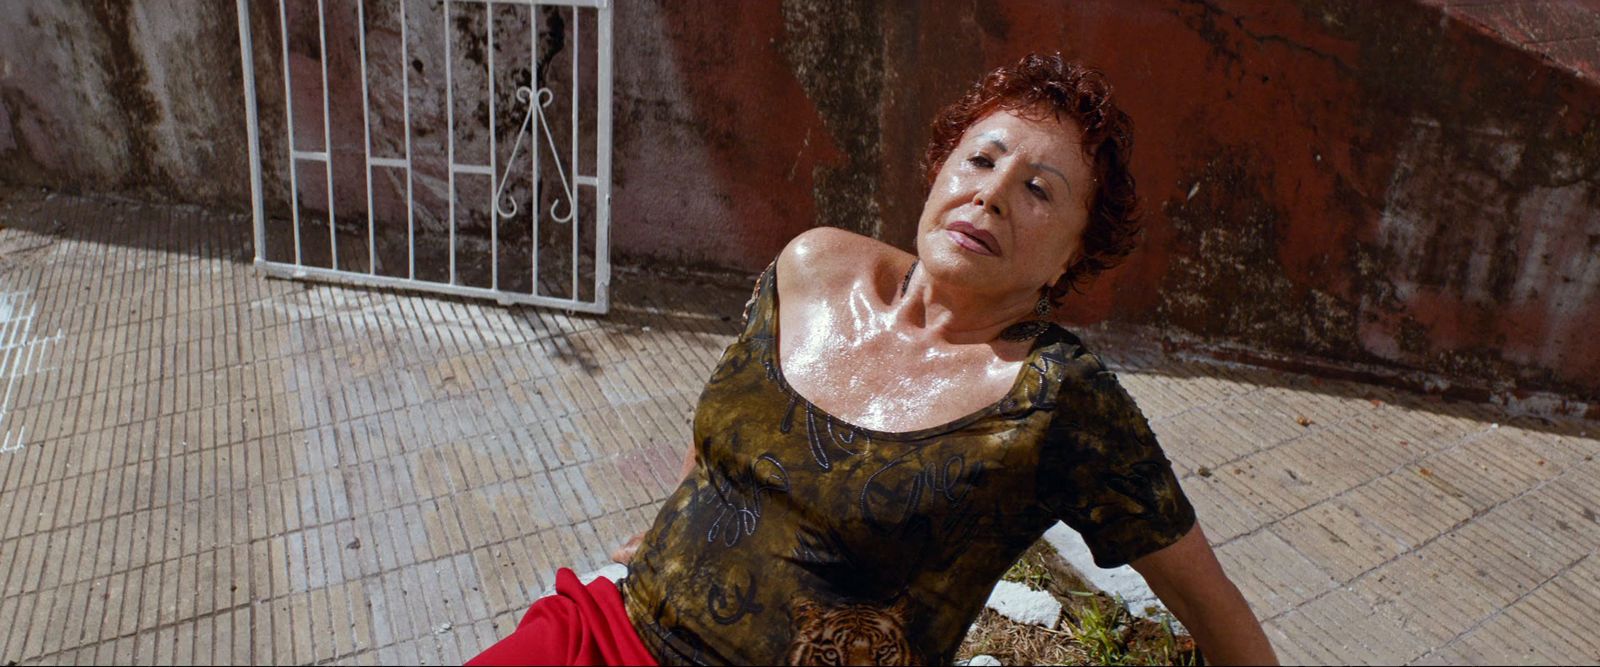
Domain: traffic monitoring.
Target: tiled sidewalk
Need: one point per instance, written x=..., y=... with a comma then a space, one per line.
x=200, y=465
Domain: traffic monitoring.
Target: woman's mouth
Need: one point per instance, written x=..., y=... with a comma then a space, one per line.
x=972, y=238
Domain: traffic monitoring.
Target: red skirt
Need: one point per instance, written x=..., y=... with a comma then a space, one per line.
x=578, y=625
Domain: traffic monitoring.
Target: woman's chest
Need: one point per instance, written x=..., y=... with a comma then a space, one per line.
x=880, y=382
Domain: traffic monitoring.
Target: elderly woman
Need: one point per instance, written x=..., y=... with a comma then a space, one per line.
x=891, y=431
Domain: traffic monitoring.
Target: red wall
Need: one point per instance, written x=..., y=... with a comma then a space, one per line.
x=1378, y=188
x=1391, y=187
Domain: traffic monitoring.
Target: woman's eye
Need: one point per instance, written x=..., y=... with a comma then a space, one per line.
x=1038, y=191
x=980, y=161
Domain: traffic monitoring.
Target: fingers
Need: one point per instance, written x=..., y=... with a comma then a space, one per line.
x=624, y=553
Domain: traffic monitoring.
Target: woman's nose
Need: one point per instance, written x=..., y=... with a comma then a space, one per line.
x=989, y=199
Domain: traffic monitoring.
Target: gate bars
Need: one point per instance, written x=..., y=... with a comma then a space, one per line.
x=501, y=205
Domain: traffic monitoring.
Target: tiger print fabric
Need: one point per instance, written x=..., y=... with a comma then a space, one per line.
x=802, y=539
x=848, y=634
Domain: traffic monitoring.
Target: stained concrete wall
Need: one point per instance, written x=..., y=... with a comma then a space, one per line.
x=1326, y=183
x=122, y=97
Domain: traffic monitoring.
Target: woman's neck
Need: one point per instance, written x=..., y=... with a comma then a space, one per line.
x=958, y=317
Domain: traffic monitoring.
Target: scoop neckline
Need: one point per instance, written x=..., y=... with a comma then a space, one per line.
x=776, y=359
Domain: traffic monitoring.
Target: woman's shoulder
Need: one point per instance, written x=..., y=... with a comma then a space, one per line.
x=1082, y=370
x=829, y=257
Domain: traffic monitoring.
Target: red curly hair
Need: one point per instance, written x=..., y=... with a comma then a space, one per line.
x=1069, y=90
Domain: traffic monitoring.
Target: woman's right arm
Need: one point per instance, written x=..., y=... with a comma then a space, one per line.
x=1190, y=581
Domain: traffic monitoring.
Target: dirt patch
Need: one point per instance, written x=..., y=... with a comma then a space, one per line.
x=1094, y=628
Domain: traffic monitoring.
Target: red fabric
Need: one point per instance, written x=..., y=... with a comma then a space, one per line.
x=578, y=625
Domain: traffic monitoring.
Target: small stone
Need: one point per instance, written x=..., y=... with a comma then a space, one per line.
x=443, y=628
x=984, y=661
x=1203, y=471
x=354, y=544
x=1024, y=605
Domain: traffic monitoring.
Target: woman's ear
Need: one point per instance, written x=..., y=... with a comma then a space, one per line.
x=1063, y=284
x=1069, y=269
x=1072, y=261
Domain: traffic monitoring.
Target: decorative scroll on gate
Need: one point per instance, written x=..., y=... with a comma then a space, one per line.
x=436, y=145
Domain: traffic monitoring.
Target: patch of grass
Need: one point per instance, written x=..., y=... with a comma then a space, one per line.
x=1033, y=568
x=1094, y=629
x=1097, y=624
x=1112, y=636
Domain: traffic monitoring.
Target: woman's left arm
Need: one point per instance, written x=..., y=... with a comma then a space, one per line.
x=1190, y=581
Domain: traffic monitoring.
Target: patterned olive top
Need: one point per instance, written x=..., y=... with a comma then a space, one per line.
x=802, y=539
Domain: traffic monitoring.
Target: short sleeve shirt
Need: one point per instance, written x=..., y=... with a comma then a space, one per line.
x=800, y=538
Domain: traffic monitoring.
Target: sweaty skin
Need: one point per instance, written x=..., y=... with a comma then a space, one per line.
x=1001, y=222
x=850, y=360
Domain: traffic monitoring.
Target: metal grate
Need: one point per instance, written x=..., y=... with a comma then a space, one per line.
x=546, y=241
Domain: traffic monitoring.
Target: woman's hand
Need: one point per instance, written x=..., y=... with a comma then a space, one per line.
x=1190, y=581
x=624, y=553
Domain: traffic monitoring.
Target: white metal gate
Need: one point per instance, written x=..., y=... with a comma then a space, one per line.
x=321, y=226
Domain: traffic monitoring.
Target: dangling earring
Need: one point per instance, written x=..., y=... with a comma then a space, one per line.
x=1032, y=328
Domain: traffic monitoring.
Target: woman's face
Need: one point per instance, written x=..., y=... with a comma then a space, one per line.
x=1007, y=210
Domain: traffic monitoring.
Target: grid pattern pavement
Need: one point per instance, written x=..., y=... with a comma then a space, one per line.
x=200, y=465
